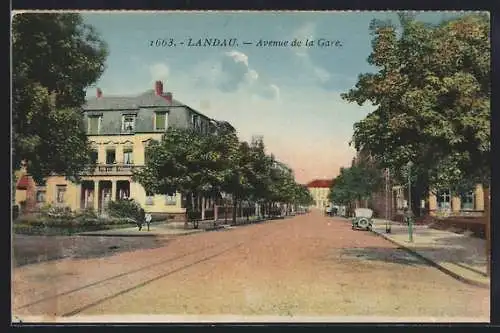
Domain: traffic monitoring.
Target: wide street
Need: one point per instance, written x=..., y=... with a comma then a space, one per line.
x=308, y=265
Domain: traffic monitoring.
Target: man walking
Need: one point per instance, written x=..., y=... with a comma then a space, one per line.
x=140, y=220
x=148, y=220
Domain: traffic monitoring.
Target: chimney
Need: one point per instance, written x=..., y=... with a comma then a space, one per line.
x=159, y=88
x=99, y=93
x=168, y=97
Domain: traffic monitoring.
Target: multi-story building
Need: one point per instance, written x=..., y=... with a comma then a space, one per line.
x=319, y=189
x=119, y=129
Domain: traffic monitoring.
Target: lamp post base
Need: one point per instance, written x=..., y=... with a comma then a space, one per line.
x=387, y=229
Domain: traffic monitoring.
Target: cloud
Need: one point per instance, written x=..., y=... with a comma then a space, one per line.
x=159, y=71
x=305, y=31
x=231, y=73
x=234, y=67
x=308, y=31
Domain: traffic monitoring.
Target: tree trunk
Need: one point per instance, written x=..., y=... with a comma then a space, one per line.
x=417, y=192
x=189, y=202
x=235, y=211
x=203, y=208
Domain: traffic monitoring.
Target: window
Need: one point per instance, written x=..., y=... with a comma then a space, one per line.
x=94, y=125
x=40, y=196
x=171, y=199
x=196, y=122
x=60, y=193
x=149, y=198
x=444, y=199
x=160, y=121
x=94, y=156
x=123, y=194
x=110, y=156
x=467, y=200
x=128, y=123
x=128, y=155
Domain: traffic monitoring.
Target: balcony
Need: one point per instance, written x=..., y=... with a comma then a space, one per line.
x=113, y=169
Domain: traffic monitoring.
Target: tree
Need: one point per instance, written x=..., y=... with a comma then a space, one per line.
x=178, y=163
x=431, y=94
x=196, y=164
x=356, y=183
x=302, y=196
x=55, y=57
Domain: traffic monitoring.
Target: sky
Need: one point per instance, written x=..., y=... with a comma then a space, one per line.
x=289, y=95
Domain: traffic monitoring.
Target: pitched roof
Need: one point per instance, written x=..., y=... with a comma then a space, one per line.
x=320, y=183
x=146, y=99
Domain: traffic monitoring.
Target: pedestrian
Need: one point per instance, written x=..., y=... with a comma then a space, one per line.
x=148, y=219
x=140, y=219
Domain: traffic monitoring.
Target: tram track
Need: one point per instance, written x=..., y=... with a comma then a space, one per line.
x=79, y=299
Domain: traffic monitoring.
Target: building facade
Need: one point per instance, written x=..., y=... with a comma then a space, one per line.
x=119, y=130
x=319, y=189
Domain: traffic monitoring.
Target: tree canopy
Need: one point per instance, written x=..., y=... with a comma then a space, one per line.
x=55, y=57
x=431, y=95
x=355, y=183
x=210, y=164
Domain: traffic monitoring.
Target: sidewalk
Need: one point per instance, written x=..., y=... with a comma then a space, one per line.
x=170, y=229
x=460, y=256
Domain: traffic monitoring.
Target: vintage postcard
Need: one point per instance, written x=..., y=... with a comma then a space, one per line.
x=227, y=166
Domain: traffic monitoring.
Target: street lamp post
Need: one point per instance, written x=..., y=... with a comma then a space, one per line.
x=410, y=219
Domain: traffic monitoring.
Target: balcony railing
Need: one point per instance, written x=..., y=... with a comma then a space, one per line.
x=115, y=168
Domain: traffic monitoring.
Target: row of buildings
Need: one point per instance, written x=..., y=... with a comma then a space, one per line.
x=391, y=201
x=119, y=130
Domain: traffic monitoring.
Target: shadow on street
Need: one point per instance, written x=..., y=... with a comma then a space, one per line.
x=28, y=249
x=388, y=255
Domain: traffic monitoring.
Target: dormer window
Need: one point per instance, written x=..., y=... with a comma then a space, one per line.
x=160, y=121
x=128, y=123
x=93, y=124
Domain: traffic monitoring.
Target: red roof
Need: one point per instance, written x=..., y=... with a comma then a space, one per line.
x=320, y=183
x=23, y=182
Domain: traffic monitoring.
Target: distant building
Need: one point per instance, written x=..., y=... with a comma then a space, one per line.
x=319, y=189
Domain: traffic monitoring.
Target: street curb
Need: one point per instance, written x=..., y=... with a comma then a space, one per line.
x=435, y=264
x=154, y=234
